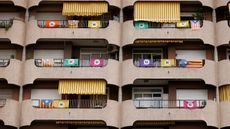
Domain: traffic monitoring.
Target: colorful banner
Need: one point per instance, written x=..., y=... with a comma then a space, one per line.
x=167, y=62
x=141, y=24
x=97, y=62
x=61, y=103
x=182, y=24
x=70, y=62
x=46, y=103
x=146, y=62
x=94, y=24
x=52, y=24
x=190, y=104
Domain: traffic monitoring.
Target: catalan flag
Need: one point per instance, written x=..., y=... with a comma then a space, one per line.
x=195, y=24
x=46, y=103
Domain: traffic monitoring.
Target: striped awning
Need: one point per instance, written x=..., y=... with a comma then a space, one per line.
x=82, y=122
x=225, y=93
x=153, y=123
x=157, y=11
x=149, y=41
x=84, y=8
x=229, y=7
x=82, y=87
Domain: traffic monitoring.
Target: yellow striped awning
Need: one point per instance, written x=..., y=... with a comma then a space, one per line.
x=229, y=7
x=149, y=41
x=84, y=8
x=224, y=93
x=82, y=87
x=153, y=123
x=157, y=11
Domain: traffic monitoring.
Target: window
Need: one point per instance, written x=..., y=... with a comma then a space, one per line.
x=148, y=97
x=154, y=54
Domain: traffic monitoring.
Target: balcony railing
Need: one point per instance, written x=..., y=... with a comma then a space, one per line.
x=185, y=24
x=179, y=63
x=4, y=62
x=6, y=24
x=70, y=63
x=157, y=103
x=87, y=103
x=2, y=102
x=73, y=23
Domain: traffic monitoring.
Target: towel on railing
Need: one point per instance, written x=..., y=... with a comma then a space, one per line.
x=61, y=103
x=6, y=23
x=73, y=23
x=47, y=63
x=94, y=24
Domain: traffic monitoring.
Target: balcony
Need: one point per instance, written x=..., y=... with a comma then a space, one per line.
x=131, y=114
x=154, y=103
x=224, y=72
x=131, y=33
x=11, y=71
x=224, y=117
x=53, y=70
x=9, y=112
x=126, y=3
x=222, y=31
x=83, y=103
x=116, y=3
x=130, y=72
x=110, y=33
x=109, y=114
x=9, y=31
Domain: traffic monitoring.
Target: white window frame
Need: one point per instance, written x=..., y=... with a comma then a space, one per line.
x=152, y=49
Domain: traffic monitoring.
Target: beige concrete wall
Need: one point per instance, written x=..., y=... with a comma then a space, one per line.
x=131, y=73
x=111, y=33
x=219, y=3
x=224, y=114
x=21, y=3
x=109, y=114
x=130, y=114
x=13, y=72
x=116, y=3
x=111, y=72
x=223, y=68
x=130, y=33
x=209, y=3
x=222, y=33
x=9, y=114
x=16, y=33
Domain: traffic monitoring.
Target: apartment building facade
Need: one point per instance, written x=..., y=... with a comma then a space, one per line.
x=114, y=64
